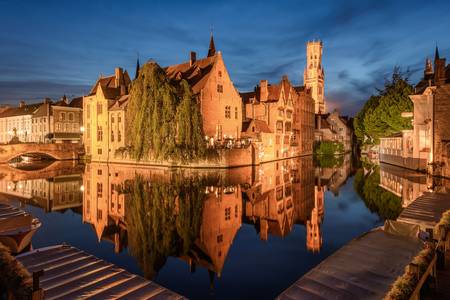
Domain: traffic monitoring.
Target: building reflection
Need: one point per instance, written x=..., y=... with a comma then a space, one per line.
x=193, y=215
x=55, y=194
x=404, y=183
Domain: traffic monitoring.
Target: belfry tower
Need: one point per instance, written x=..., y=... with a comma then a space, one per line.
x=313, y=76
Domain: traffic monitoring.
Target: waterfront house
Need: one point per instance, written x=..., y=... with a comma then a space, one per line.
x=57, y=122
x=427, y=145
x=279, y=119
x=333, y=127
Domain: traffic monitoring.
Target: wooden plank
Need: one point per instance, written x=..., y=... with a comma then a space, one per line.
x=70, y=273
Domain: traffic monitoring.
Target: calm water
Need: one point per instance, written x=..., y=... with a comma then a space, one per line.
x=227, y=234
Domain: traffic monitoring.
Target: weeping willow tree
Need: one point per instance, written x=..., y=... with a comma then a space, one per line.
x=165, y=119
x=163, y=219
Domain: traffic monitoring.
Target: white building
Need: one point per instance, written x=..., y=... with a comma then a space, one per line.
x=16, y=122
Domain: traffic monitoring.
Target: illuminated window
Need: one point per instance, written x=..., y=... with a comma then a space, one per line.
x=227, y=213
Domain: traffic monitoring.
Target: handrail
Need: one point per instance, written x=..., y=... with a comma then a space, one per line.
x=431, y=270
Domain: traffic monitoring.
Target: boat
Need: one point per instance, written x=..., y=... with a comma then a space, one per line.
x=29, y=158
x=17, y=227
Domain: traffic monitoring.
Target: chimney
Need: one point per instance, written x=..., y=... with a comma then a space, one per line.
x=123, y=90
x=22, y=103
x=193, y=58
x=118, y=77
x=264, y=90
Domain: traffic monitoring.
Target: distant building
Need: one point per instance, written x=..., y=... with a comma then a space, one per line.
x=15, y=122
x=279, y=119
x=427, y=145
x=314, y=76
x=58, y=122
x=333, y=127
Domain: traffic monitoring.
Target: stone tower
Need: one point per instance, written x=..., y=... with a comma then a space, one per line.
x=313, y=77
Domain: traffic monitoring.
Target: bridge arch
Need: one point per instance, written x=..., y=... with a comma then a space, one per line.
x=56, y=151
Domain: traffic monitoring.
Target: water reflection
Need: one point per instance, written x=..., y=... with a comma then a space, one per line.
x=192, y=215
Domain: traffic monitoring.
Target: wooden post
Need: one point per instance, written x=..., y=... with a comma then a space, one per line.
x=38, y=293
x=414, y=268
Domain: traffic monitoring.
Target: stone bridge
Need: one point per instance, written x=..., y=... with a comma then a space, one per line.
x=56, y=151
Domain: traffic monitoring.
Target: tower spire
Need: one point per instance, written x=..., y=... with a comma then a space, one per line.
x=137, y=67
x=436, y=53
x=212, y=47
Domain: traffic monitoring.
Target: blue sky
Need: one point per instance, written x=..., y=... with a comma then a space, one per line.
x=51, y=48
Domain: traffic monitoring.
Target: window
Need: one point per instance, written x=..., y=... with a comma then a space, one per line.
x=99, y=214
x=70, y=116
x=112, y=118
x=220, y=88
x=99, y=109
x=99, y=190
x=119, y=119
x=99, y=133
x=219, y=238
x=62, y=116
x=220, y=73
x=119, y=136
x=67, y=127
x=235, y=211
x=235, y=112
x=227, y=213
x=88, y=131
x=99, y=151
x=280, y=126
x=88, y=111
x=287, y=127
x=228, y=112
x=99, y=172
x=112, y=136
x=288, y=114
x=280, y=112
x=279, y=193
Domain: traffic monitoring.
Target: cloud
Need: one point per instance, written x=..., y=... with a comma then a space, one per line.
x=33, y=91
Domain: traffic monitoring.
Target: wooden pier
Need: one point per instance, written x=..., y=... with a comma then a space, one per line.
x=365, y=268
x=70, y=273
x=426, y=211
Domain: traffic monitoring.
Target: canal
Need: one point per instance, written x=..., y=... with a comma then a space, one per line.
x=227, y=234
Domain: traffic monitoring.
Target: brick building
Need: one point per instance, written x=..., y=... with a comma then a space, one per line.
x=279, y=118
x=334, y=128
x=105, y=107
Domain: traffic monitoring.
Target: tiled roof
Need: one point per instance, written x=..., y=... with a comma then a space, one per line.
x=76, y=102
x=260, y=126
x=20, y=111
x=196, y=74
x=120, y=104
x=107, y=85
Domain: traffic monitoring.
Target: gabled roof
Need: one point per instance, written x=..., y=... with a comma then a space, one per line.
x=120, y=104
x=107, y=84
x=260, y=126
x=26, y=109
x=76, y=102
x=196, y=74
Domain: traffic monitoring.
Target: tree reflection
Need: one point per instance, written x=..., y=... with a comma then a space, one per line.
x=163, y=219
x=384, y=203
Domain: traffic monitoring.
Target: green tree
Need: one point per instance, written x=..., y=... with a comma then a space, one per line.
x=381, y=114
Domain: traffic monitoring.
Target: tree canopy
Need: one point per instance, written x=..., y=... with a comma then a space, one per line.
x=165, y=119
x=381, y=114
